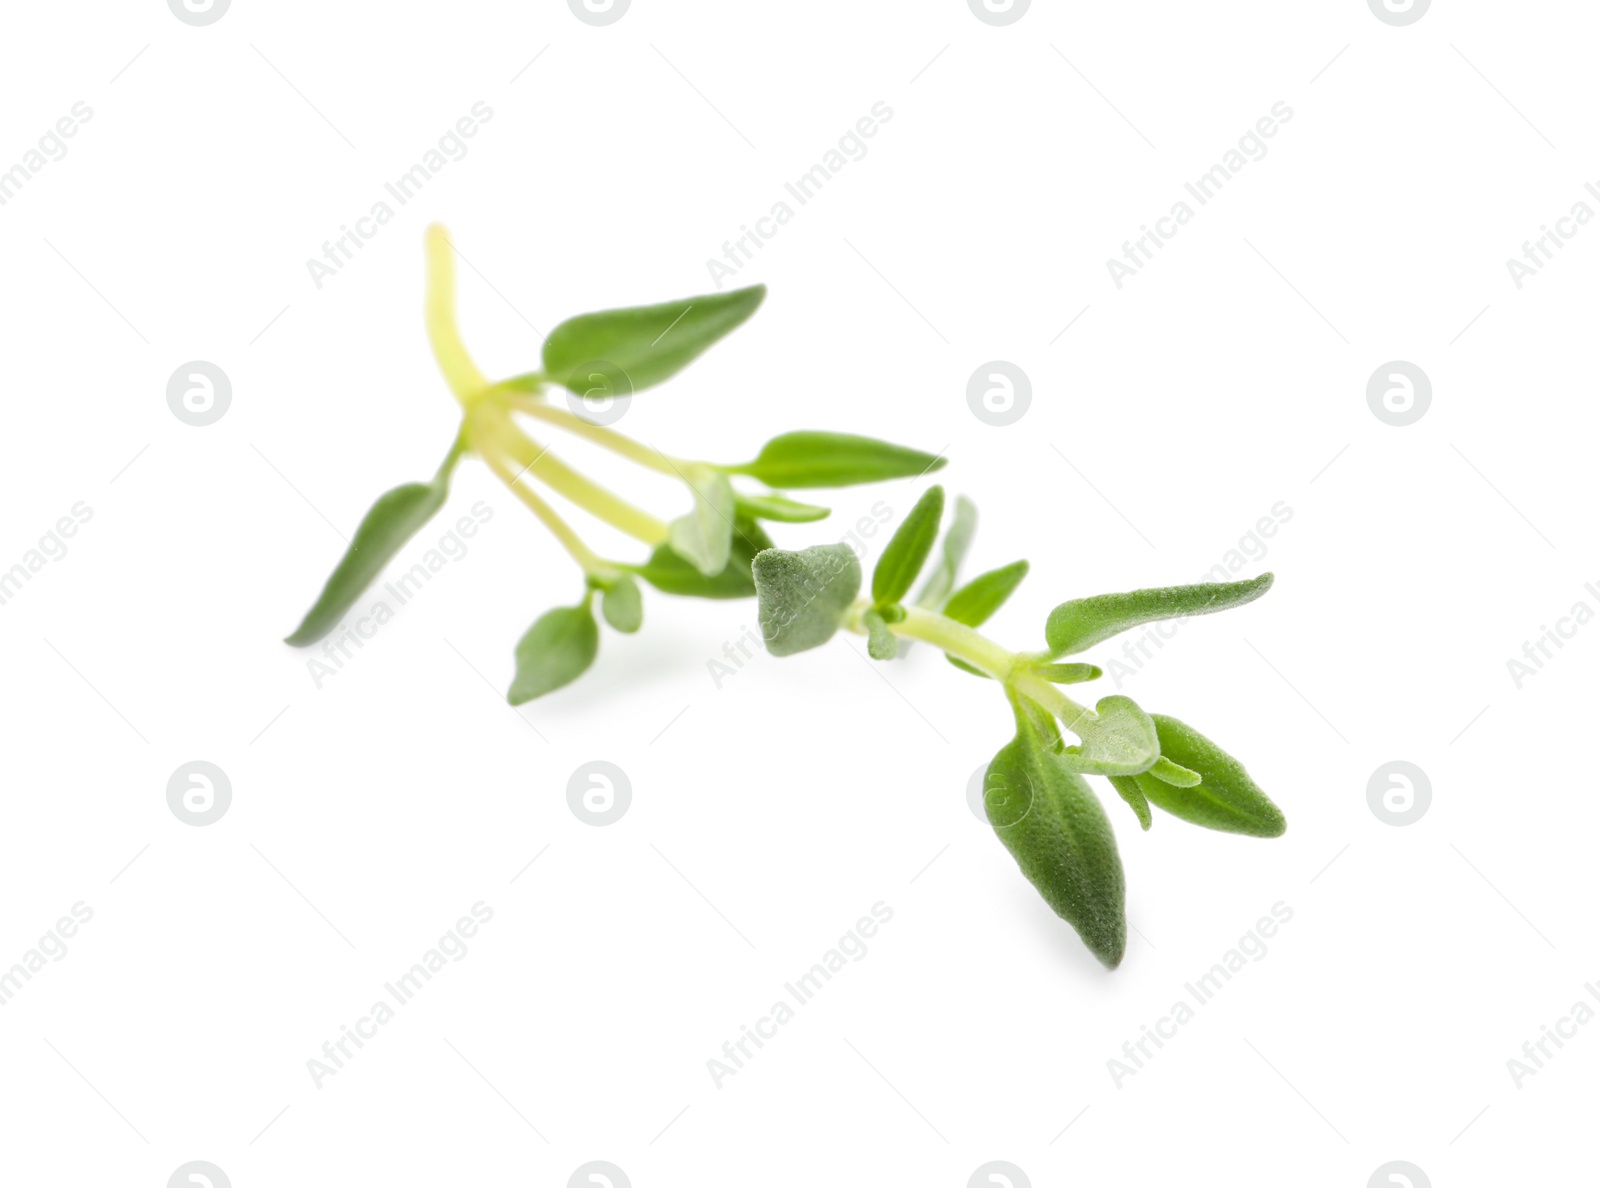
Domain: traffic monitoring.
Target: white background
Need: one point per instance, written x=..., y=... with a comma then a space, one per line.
x=768, y=815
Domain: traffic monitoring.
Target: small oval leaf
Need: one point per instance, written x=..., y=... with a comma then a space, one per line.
x=908, y=549
x=1084, y=622
x=808, y=458
x=622, y=605
x=1120, y=739
x=647, y=343
x=555, y=651
x=881, y=642
x=803, y=597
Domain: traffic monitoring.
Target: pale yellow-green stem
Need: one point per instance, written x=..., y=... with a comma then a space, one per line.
x=491, y=425
x=590, y=562
x=968, y=644
x=600, y=435
x=460, y=372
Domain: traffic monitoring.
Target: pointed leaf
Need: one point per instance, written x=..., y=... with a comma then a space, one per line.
x=812, y=459
x=1084, y=622
x=985, y=594
x=1226, y=798
x=1055, y=828
x=965, y=667
x=803, y=597
x=908, y=549
x=622, y=606
x=555, y=651
x=952, y=552
x=776, y=507
x=1128, y=788
x=704, y=537
x=646, y=344
x=394, y=519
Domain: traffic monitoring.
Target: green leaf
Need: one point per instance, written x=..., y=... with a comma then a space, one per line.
x=555, y=651
x=704, y=537
x=776, y=507
x=622, y=606
x=965, y=667
x=908, y=549
x=1084, y=622
x=803, y=597
x=647, y=344
x=985, y=594
x=814, y=459
x=1068, y=674
x=1168, y=772
x=1226, y=797
x=671, y=574
x=1120, y=739
x=1045, y=814
x=388, y=524
x=1128, y=788
x=952, y=552
x=881, y=642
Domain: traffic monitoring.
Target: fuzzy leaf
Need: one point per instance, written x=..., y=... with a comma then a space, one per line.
x=1226, y=797
x=1128, y=788
x=1068, y=674
x=1120, y=740
x=1084, y=622
x=881, y=642
x=803, y=597
x=1054, y=827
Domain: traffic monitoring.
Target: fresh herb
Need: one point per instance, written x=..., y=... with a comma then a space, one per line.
x=1035, y=794
x=713, y=545
x=703, y=551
